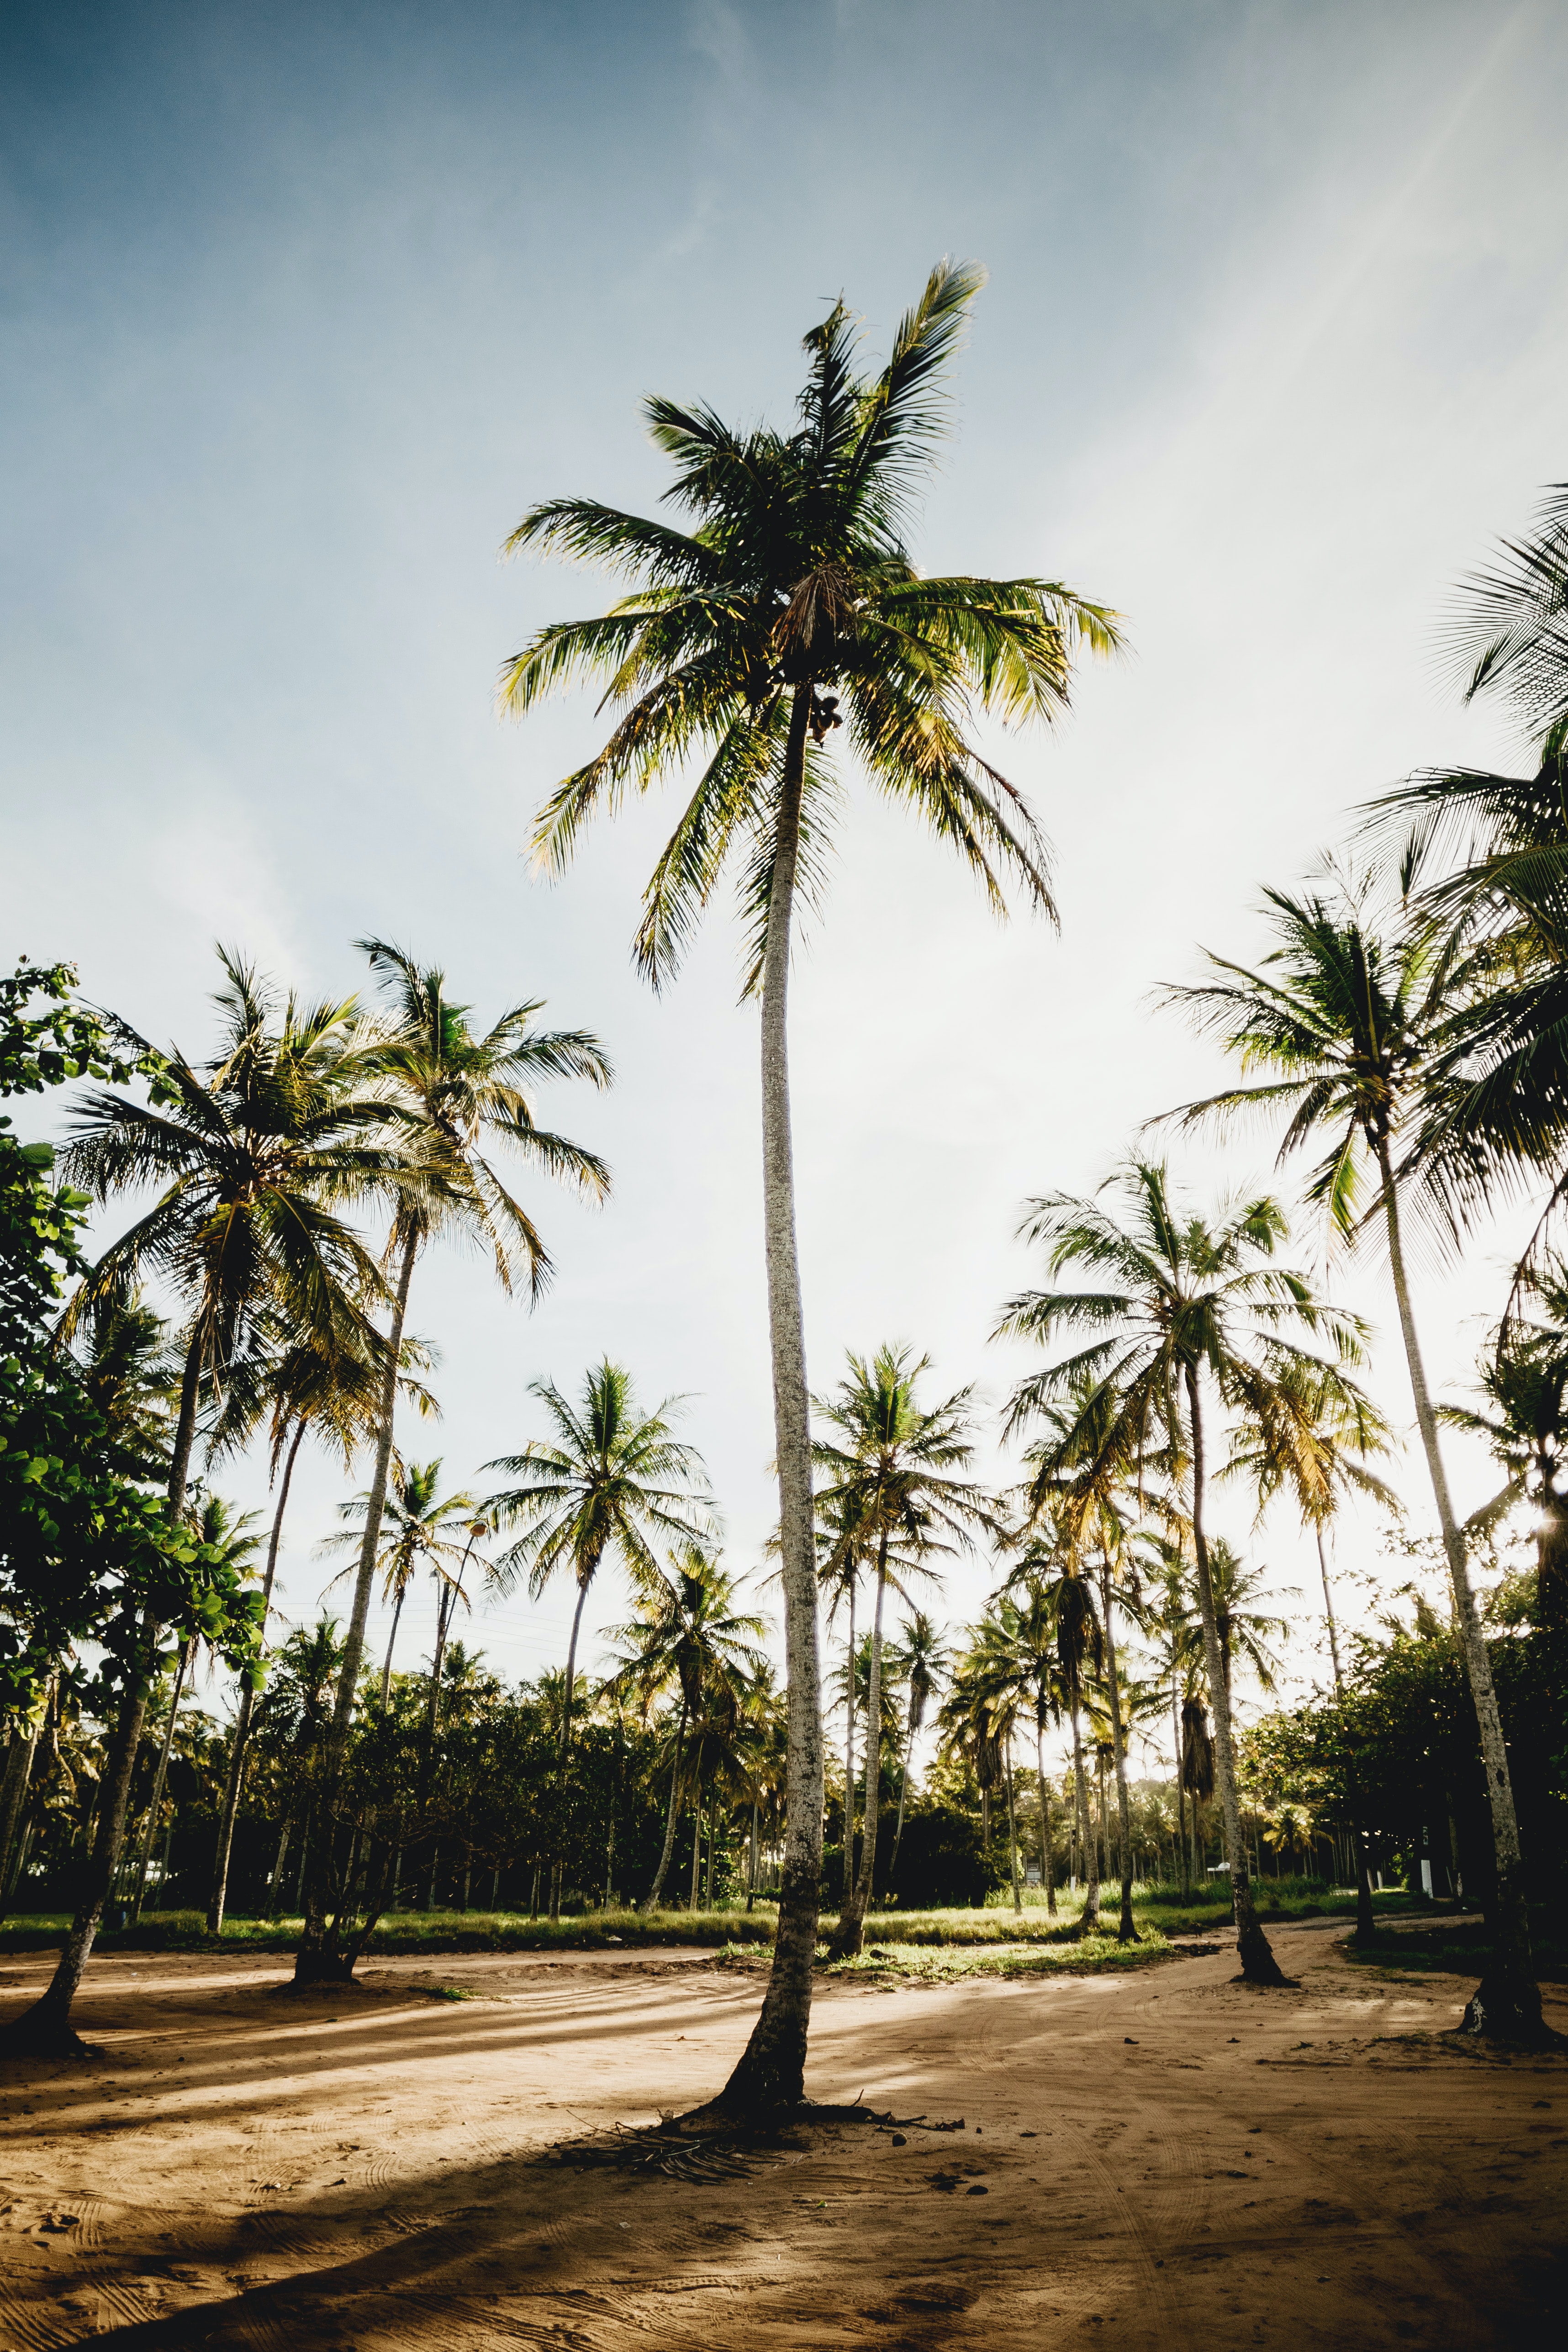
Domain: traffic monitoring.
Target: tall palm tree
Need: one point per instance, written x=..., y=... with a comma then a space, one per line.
x=609, y=1479
x=1349, y=1028
x=893, y=1479
x=454, y=1093
x=921, y=1663
x=789, y=610
x=250, y=1153
x=687, y=1636
x=1195, y=1302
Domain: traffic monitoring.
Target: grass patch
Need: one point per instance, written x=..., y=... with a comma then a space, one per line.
x=414, y=1931
x=948, y=1964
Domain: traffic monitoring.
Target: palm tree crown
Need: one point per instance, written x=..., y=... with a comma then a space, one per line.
x=793, y=599
x=611, y=1479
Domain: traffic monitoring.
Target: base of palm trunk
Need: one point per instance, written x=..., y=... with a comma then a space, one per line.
x=848, y=1939
x=319, y=1967
x=1506, y=2006
x=1258, y=1966
x=40, y=2032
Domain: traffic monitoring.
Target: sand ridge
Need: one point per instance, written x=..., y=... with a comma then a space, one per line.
x=1165, y=2156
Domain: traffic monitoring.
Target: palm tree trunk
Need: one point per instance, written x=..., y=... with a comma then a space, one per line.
x=317, y=1956
x=658, y=1886
x=1125, y=1931
x=1089, y=1917
x=1181, y=1792
x=847, y=1894
x=1507, y=2002
x=187, y=1659
x=696, y=1852
x=771, y=2071
x=216, y=1901
x=1046, y=1872
x=1258, y=1965
x=850, y=1938
x=751, y=1872
x=585, y=1578
x=392, y=1644
x=1013, y=1835
x=1363, y=1919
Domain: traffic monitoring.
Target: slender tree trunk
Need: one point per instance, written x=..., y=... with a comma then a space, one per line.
x=1364, y=1923
x=1258, y=1965
x=1507, y=2002
x=696, y=1852
x=771, y=2071
x=1013, y=1834
x=1125, y=1931
x=317, y=1956
x=1089, y=1917
x=751, y=1873
x=658, y=1886
x=847, y=1893
x=1047, y=1870
x=235, y=1779
x=585, y=1578
x=392, y=1644
x=850, y=1938
x=187, y=1659
x=1182, y=1871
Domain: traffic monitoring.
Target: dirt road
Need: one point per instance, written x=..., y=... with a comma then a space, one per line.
x=1159, y=2159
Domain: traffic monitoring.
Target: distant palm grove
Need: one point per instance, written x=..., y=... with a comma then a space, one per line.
x=802, y=1747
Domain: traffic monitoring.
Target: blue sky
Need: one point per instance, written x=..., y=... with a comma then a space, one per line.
x=303, y=307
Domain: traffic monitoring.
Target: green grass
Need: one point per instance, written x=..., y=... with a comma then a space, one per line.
x=414, y=1931
x=1163, y=1911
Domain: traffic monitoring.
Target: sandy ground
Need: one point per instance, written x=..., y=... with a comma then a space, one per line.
x=1160, y=2159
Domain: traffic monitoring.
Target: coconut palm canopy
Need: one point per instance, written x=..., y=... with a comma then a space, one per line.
x=795, y=571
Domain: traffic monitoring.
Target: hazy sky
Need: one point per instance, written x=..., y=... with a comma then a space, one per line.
x=304, y=306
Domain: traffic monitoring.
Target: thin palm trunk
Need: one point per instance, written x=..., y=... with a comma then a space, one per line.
x=771, y=2071
x=1013, y=1834
x=1508, y=1999
x=1258, y=1965
x=187, y=1659
x=751, y=1870
x=903, y=1788
x=317, y=1956
x=584, y=1578
x=1047, y=1874
x=696, y=1852
x=850, y=1938
x=1181, y=1792
x=1125, y=1931
x=392, y=1643
x=849, y=1872
x=1358, y=1839
x=1089, y=1917
x=232, y=1785
x=658, y=1886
